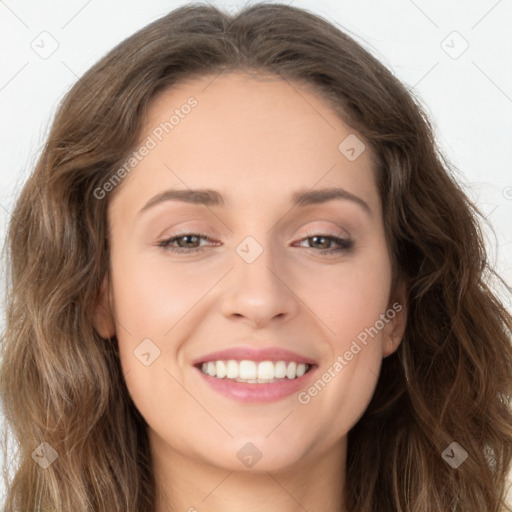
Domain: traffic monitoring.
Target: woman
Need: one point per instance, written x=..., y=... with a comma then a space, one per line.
x=177, y=339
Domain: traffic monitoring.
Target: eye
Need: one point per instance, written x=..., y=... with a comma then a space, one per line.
x=184, y=240
x=325, y=241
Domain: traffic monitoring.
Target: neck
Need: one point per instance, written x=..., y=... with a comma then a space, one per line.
x=188, y=484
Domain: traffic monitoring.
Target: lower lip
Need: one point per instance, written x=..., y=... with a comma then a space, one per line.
x=246, y=392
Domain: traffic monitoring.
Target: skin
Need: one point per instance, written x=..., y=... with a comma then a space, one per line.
x=256, y=141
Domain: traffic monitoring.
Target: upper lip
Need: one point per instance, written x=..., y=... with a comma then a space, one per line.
x=254, y=354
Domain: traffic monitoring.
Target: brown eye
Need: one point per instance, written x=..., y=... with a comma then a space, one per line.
x=186, y=243
x=324, y=243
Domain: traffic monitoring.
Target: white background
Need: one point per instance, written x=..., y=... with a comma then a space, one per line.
x=469, y=98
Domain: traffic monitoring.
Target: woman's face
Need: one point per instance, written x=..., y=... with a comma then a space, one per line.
x=293, y=269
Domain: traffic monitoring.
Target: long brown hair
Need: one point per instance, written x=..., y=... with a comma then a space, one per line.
x=61, y=383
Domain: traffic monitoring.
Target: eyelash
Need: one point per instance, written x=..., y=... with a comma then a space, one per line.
x=345, y=245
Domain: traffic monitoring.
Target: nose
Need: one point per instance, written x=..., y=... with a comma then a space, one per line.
x=259, y=292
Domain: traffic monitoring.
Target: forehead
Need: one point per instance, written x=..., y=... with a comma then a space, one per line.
x=261, y=104
x=253, y=133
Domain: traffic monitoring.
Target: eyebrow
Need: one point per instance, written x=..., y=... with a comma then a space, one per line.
x=209, y=197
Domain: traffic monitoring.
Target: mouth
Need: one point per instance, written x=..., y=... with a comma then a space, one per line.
x=250, y=374
x=250, y=381
x=254, y=372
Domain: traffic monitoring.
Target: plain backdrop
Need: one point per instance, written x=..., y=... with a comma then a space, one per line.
x=455, y=55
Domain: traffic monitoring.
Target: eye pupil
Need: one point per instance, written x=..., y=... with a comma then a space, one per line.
x=326, y=243
x=183, y=238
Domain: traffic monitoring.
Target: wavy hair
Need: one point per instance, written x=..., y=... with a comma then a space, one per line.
x=449, y=381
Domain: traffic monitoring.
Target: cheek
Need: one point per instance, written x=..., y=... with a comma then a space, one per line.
x=152, y=294
x=346, y=380
x=155, y=301
x=351, y=302
x=348, y=297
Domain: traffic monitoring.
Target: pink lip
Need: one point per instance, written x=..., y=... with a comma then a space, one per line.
x=245, y=392
x=254, y=354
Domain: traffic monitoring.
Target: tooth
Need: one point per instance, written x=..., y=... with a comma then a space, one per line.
x=266, y=370
x=220, y=369
x=280, y=370
x=211, y=368
x=253, y=372
x=232, y=370
x=301, y=370
x=247, y=370
x=290, y=371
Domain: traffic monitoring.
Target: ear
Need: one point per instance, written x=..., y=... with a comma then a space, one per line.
x=397, y=320
x=103, y=319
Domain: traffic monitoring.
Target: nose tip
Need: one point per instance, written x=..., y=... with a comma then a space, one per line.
x=258, y=294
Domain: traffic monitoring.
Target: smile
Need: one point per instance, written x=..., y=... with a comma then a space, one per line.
x=241, y=380
x=253, y=372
